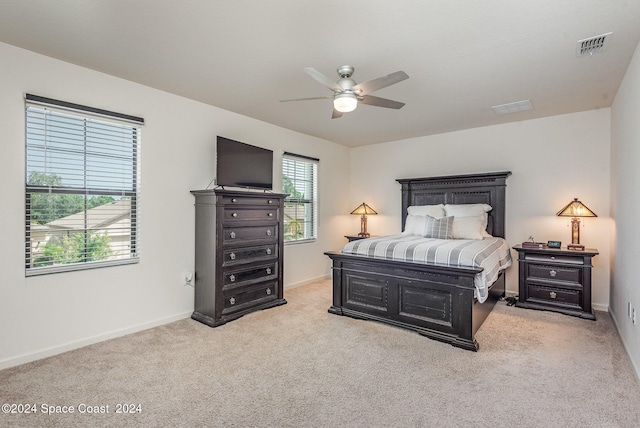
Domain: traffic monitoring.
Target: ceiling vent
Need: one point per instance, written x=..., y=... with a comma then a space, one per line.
x=513, y=107
x=588, y=47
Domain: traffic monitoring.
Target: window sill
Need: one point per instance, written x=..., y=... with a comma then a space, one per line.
x=76, y=267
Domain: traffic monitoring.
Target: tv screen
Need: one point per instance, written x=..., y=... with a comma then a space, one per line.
x=243, y=165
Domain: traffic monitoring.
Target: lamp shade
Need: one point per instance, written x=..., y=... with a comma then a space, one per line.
x=364, y=209
x=345, y=103
x=576, y=208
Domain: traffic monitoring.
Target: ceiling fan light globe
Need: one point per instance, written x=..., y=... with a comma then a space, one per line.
x=345, y=103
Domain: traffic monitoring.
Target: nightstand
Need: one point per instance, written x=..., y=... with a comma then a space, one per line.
x=353, y=237
x=556, y=280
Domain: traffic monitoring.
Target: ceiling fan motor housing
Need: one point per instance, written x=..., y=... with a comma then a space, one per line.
x=345, y=71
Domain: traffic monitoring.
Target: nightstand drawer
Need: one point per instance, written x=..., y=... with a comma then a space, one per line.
x=553, y=295
x=555, y=273
x=554, y=258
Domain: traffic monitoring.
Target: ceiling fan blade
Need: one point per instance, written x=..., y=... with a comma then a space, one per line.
x=306, y=99
x=381, y=102
x=336, y=114
x=379, y=83
x=323, y=79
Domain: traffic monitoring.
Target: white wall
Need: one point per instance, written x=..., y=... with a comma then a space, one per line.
x=625, y=206
x=48, y=314
x=552, y=160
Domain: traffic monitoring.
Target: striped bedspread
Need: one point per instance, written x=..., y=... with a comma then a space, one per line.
x=491, y=254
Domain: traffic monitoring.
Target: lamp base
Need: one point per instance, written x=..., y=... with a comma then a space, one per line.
x=575, y=247
x=363, y=235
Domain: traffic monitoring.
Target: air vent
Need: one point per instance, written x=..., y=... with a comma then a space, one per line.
x=588, y=47
x=513, y=107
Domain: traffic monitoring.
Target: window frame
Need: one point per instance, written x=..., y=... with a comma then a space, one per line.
x=91, y=118
x=309, y=183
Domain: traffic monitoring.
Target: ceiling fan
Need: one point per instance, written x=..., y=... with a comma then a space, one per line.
x=347, y=93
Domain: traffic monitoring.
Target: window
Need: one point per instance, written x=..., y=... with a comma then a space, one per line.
x=82, y=187
x=300, y=182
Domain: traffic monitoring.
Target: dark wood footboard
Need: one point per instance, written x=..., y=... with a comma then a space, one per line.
x=435, y=301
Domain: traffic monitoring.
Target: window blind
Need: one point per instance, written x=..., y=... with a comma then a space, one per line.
x=82, y=187
x=299, y=181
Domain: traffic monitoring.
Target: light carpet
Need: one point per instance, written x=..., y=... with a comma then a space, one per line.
x=299, y=366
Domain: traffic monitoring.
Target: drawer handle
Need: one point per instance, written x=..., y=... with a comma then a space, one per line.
x=232, y=278
x=269, y=232
x=553, y=273
x=553, y=257
x=232, y=256
x=234, y=200
x=268, y=291
x=268, y=250
x=232, y=235
x=270, y=201
x=553, y=294
x=232, y=300
x=268, y=271
x=270, y=214
x=234, y=215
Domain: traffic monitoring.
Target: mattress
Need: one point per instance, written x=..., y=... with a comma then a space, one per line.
x=492, y=254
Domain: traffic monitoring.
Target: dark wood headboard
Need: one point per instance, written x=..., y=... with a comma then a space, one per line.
x=486, y=188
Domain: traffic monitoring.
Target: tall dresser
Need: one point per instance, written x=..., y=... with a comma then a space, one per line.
x=239, y=254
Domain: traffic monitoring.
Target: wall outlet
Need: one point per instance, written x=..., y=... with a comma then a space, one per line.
x=629, y=309
x=633, y=316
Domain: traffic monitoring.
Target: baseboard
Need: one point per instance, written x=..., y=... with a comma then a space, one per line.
x=306, y=281
x=599, y=307
x=636, y=369
x=55, y=350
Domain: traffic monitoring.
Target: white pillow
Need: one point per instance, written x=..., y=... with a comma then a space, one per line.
x=415, y=225
x=469, y=227
x=469, y=210
x=435, y=211
x=466, y=210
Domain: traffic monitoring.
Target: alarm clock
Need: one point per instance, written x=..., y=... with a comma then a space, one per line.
x=553, y=244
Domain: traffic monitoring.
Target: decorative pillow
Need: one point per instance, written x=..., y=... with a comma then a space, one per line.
x=435, y=211
x=414, y=225
x=469, y=227
x=439, y=228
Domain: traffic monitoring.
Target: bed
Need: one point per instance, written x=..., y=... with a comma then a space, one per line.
x=430, y=297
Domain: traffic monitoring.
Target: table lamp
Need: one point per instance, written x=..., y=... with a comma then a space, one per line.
x=575, y=209
x=363, y=210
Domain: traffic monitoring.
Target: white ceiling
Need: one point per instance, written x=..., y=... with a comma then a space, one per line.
x=462, y=56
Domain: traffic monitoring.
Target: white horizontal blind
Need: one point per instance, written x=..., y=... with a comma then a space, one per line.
x=300, y=182
x=82, y=187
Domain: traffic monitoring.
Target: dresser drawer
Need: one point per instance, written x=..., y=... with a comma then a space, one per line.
x=236, y=235
x=248, y=297
x=552, y=295
x=250, y=200
x=251, y=274
x=240, y=214
x=555, y=273
x=249, y=254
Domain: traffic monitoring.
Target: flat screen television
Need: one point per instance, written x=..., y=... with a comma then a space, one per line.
x=243, y=165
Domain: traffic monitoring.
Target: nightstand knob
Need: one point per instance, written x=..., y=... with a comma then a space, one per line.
x=234, y=200
x=553, y=273
x=270, y=214
x=234, y=215
x=552, y=295
x=269, y=201
x=553, y=257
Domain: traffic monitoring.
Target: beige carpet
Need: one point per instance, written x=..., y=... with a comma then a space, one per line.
x=299, y=366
